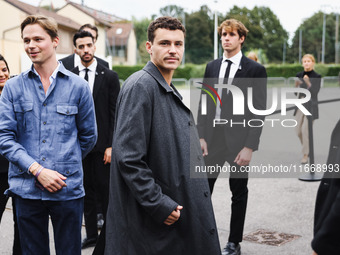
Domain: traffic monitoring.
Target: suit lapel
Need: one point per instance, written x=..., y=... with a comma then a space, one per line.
x=242, y=70
x=98, y=80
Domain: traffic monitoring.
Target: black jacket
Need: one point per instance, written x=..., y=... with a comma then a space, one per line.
x=315, y=79
x=105, y=92
x=68, y=62
x=327, y=206
x=250, y=75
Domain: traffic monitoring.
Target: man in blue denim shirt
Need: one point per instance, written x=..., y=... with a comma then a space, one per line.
x=47, y=125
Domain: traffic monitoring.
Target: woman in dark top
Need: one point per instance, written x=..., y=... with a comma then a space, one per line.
x=4, y=76
x=307, y=79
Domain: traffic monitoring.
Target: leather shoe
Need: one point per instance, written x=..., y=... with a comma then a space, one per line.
x=86, y=243
x=232, y=249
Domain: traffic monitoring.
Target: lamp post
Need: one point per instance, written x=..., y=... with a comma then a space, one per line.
x=215, y=32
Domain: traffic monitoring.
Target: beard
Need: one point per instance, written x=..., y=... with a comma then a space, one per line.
x=87, y=60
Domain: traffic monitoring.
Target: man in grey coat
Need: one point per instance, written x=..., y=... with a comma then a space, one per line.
x=155, y=207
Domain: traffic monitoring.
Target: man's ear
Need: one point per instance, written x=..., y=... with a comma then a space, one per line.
x=242, y=39
x=148, y=46
x=55, y=42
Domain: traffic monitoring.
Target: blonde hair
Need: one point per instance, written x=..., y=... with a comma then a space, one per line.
x=252, y=55
x=309, y=56
x=47, y=23
x=231, y=24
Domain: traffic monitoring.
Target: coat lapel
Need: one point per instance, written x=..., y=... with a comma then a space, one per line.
x=242, y=70
x=98, y=80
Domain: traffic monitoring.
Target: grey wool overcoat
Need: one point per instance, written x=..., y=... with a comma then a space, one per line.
x=155, y=143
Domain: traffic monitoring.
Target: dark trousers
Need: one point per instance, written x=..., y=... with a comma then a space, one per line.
x=3, y=202
x=33, y=218
x=96, y=184
x=218, y=154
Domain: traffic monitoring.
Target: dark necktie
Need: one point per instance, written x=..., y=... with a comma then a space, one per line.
x=225, y=92
x=227, y=72
x=86, y=77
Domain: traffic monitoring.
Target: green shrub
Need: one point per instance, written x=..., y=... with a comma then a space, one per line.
x=197, y=71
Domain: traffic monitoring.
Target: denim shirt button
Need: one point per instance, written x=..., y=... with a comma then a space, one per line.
x=43, y=159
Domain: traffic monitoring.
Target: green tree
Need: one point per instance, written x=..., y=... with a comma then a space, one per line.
x=140, y=27
x=312, y=38
x=173, y=11
x=265, y=30
x=199, y=45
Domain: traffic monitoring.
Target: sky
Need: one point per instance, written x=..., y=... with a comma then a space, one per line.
x=291, y=13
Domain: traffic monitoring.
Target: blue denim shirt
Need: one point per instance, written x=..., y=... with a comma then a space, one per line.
x=56, y=129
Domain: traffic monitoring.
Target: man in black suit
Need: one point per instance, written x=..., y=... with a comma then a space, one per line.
x=104, y=84
x=327, y=206
x=232, y=139
x=73, y=60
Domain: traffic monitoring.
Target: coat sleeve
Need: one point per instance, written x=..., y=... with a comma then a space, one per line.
x=86, y=122
x=259, y=102
x=326, y=239
x=130, y=151
x=202, y=119
x=114, y=88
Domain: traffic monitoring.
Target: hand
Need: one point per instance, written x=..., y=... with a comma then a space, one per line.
x=51, y=180
x=314, y=253
x=174, y=216
x=107, y=155
x=204, y=147
x=298, y=82
x=307, y=81
x=244, y=156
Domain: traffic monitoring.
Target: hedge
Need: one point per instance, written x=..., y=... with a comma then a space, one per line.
x=197, y=71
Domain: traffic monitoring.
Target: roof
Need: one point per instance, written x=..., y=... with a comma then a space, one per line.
x=102, y=17
x=119, y=33
x=32, y=10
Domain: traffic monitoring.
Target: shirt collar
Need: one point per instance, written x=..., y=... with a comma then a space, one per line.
x=236, y=59
x=92, y=67
x=53, y=75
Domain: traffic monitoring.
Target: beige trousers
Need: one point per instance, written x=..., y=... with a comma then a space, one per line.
x=302, y=131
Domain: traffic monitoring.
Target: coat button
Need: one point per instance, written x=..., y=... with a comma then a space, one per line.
x=212, y=231
x=206, y=193
x=190, y=123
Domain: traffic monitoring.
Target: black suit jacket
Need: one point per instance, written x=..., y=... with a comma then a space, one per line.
x=327, y=206
x=249, y=75
x=68, y=62
x=105, y=92
x=315, y=80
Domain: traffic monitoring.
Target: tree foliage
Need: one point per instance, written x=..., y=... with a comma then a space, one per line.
x=312, y=29
x=265, y=30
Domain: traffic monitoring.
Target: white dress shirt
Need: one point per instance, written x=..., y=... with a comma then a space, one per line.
x=91, y=73
x=236, y=59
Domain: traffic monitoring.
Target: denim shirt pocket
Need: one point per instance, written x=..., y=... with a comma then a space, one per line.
x=66, y=118
x=74, y=174
x=24, y=115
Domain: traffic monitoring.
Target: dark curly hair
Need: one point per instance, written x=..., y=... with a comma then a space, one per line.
x=169, y=23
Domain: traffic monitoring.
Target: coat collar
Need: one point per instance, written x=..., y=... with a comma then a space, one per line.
x=156, y=74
